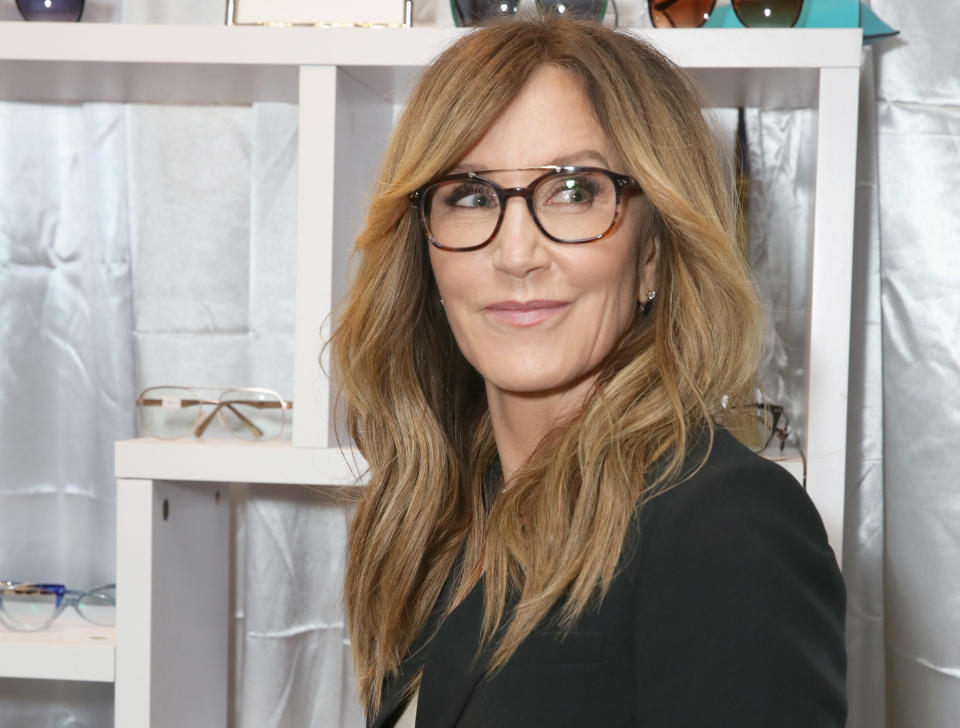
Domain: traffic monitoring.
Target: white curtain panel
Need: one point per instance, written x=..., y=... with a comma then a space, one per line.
x=154, y=244
x=65, y=365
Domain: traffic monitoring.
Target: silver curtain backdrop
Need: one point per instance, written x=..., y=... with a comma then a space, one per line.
x=145, y=244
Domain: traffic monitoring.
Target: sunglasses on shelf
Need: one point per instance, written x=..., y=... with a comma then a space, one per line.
x=62, y=10
x=752, y=13
x=477, y=12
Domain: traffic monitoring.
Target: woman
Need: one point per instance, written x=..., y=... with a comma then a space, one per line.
x=523, y=376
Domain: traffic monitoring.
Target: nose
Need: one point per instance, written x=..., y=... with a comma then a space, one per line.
x=518, y=247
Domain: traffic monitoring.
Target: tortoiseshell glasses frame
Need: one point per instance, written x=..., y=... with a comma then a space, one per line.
x=604, y=221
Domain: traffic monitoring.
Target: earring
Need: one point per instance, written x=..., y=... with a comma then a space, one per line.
x=441, y=302
x=645, y=306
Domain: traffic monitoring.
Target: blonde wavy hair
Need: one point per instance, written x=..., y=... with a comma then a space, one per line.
x=417, y=410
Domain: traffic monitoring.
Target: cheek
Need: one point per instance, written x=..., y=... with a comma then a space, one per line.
x=461, y=283
x=601, y=283
x=607, y=290
x=456, y=274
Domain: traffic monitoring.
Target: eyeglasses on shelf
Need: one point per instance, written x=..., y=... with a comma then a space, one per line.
x=29, y=607
x=756, y=424
x=249, y=413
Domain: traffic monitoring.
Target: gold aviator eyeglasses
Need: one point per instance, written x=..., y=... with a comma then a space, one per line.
x=248, y=413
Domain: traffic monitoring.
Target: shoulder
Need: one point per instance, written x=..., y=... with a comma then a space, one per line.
x=739, y=522
x=738, y=597
x=733, y=493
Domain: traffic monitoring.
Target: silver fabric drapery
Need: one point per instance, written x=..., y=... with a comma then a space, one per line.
x=918, y=174
x=146, y=244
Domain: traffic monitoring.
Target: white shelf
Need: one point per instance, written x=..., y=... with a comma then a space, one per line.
x=241, y=64
x=70, y=649
x=235, y=461
x=257, y=45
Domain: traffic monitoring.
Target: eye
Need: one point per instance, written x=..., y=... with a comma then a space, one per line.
x=573, y=190
x=472, y=196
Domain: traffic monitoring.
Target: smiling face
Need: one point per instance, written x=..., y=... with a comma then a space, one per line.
x=531, y=315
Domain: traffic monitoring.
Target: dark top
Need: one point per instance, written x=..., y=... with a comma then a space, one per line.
x=728, y=611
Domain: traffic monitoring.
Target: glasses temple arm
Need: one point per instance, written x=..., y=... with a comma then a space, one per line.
x=257, y=432
x=272, y=404
x=202, y=427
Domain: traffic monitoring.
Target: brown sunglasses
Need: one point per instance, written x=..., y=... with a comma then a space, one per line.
x=752, y=13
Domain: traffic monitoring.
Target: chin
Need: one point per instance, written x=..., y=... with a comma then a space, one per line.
x=529, y=381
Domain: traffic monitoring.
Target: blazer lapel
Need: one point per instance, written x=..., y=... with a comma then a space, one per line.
x=411, y=665
x=446, y=652
x=450, y=675
x=425, y=644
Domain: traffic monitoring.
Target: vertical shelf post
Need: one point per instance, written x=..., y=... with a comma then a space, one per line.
x=172, y=605
x=831, y=279
x=344, y=127
x=316, y=181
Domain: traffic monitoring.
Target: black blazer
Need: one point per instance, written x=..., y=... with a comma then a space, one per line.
x=728, y=611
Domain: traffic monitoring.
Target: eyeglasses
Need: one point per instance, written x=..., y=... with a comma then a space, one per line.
x=249, y=413
x=752, y=13
x=475, y=12
x=569, y=204
x=28, y=607
x=756, y=425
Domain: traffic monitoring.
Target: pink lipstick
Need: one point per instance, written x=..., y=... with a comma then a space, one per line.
x=525, y=313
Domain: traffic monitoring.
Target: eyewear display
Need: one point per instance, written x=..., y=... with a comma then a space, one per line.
x=756, y=425
x=249, y=413
x=476, y=12
x=26, y=607
x=568, y=204
x=752, y=13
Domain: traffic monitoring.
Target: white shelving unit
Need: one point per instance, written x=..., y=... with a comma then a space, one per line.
x=70, y=649
x=235, y=461
x=172, y=525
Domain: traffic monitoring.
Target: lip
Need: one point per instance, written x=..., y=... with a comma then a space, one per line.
x=525, y=313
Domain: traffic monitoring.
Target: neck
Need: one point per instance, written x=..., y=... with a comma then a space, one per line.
x=520, y=420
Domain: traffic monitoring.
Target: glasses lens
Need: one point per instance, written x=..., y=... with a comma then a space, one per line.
x=27, y=606
x=768, y=13
x=474, y=12
x=68, y=10
x=576, y=206
x=252, y=414
x=680, y=13
x=461, y=213
x=99, y=605
x=168, y=412
x=585, y=9
x=749, y=423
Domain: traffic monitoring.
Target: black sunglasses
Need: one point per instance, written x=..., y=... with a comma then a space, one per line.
x=476, y=12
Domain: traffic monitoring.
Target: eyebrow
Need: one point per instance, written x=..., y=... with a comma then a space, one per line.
x=561, y=161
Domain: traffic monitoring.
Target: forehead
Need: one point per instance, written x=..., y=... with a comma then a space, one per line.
x=551, y=121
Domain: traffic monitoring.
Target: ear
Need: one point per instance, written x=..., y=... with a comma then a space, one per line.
x=647, y=269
